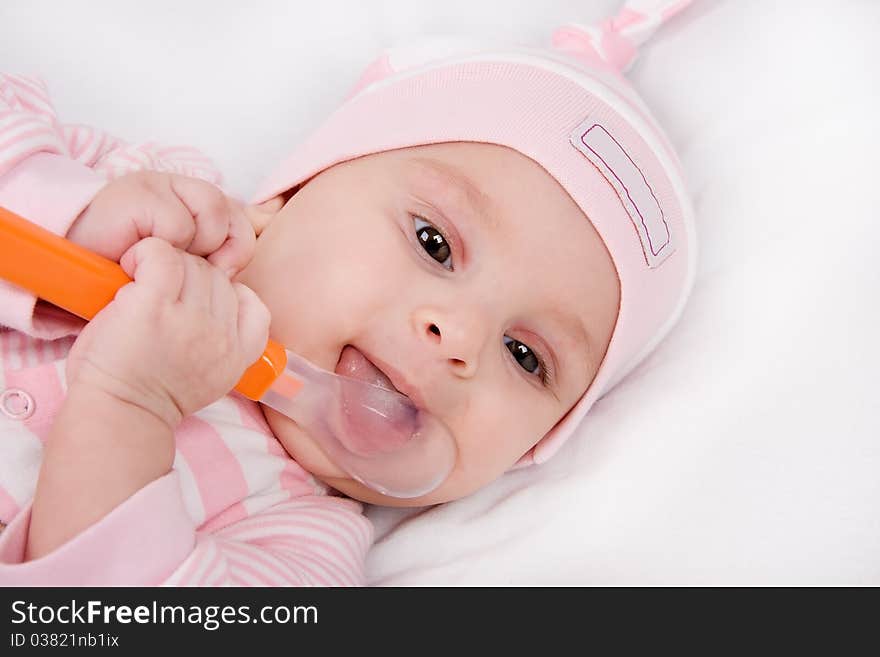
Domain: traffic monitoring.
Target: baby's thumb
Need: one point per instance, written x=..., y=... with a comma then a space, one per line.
x=253, y=323
x=261, y=214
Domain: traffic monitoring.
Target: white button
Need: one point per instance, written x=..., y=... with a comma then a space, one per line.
x=17, y=404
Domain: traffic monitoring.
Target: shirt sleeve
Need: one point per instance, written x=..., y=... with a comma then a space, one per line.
x=150, y=539
x=140, y=542
x=51, y=171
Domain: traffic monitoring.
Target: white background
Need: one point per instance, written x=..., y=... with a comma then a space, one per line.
x=746, y=449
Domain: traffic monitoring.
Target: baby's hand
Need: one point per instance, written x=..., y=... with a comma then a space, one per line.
x=188, y=213
x=173, y=341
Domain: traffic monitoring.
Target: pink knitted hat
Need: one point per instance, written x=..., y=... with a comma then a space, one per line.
x=570, y=110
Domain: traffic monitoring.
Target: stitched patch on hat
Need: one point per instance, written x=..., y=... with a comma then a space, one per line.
x=629, y=182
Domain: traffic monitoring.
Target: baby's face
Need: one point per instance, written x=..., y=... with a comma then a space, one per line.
x=463, y=268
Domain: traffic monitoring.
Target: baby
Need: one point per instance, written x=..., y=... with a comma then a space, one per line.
x=502, y=234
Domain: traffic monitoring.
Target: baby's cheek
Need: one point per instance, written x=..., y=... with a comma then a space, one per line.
x=366, y=271
x=348, y=291
x=324, y=295
x=493, y=432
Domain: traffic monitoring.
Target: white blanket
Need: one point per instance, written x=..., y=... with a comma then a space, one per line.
x=746, y=449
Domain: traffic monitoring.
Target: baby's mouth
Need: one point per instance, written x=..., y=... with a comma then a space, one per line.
x=374, y=424
x=354, y=364
x=389, y=441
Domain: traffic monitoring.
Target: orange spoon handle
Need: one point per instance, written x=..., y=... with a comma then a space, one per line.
x=81, y=282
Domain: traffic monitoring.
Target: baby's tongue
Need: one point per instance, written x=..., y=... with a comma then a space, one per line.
x=374, y=421
x=353, y=364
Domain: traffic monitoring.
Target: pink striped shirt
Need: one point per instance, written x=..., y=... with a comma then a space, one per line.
x=235, y=509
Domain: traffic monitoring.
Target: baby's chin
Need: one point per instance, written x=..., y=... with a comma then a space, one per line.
x=300, y=446
x=303, y=449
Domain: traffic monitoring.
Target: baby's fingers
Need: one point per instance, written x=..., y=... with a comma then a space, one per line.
x=209, y=290
x=210, y=212
x=156, y=266
x=238, y=249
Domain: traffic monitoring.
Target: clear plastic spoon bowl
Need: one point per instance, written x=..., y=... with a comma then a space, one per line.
x=378, y=436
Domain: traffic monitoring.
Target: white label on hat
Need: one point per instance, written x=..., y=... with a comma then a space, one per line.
x=629, y=182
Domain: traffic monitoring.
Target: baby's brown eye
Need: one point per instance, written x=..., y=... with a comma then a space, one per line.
x=433, y=241
x=523, y=355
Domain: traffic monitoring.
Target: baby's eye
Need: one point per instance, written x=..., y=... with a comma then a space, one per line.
x=433, y=241
x=526, y=358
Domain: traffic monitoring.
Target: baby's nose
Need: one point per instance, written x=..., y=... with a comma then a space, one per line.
x=458, y=337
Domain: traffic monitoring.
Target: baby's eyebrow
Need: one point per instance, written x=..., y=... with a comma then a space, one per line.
x=452, y=177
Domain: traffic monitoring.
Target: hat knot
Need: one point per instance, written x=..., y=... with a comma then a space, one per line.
x=615, y=41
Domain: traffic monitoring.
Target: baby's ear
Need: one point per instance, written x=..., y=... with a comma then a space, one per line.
x=261, y=214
